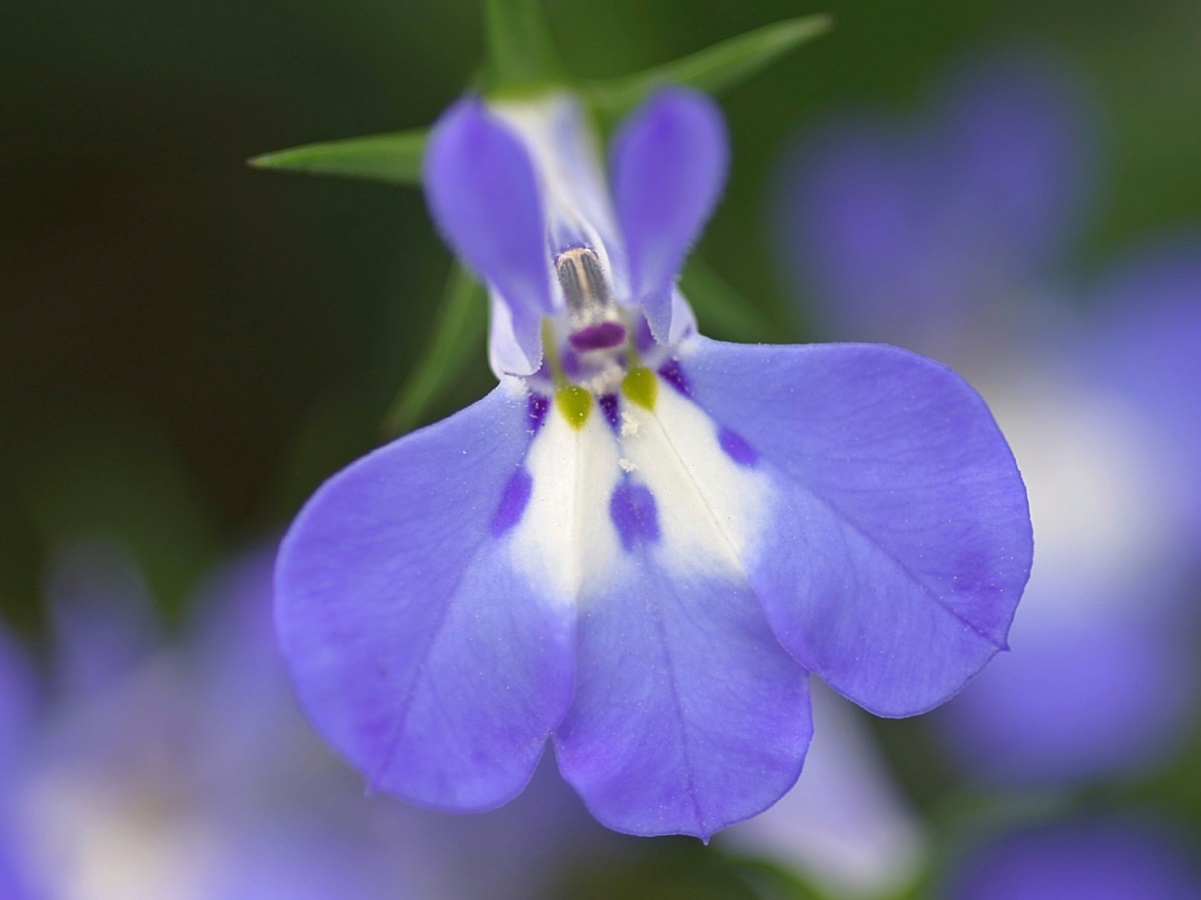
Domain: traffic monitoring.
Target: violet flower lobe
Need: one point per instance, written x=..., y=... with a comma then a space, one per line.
x=642, y=541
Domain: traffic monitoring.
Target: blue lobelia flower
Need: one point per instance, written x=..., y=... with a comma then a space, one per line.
x=1099, y=858
x=641, y=542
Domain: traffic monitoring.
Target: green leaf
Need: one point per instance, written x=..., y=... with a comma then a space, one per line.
x=394, y=157
x=521, y=54
x=714, y=69
x=458, y=335
x=720, y=310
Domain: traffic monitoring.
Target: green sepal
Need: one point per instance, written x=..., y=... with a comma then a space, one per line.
x=521, y=54
x=713, y=70
x=458, y=336
x=393, y=157
x=721, y=311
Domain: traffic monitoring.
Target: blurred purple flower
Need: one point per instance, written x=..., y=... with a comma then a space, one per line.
x=914, y=232
x=1144, y=350
x=642, y=541
x=102, y=617
x=188, y=773
x=1107, y=445
x=115, y=792
x=1099, y=859
x=947, y=238
x=20, y=699
x=845, y=823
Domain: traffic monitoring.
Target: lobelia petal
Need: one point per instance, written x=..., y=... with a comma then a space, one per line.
x=483, y=194
x=903, y=540
x=417, y=647
x=669, y=162
x=688, y=714
x=566, y=161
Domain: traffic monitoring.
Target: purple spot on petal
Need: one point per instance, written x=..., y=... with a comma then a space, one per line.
x=512, y=502
x=602, y=336
x=538, y=407
x=632, y=509
x=673, y=374
x=736, y=448
x=609, y=406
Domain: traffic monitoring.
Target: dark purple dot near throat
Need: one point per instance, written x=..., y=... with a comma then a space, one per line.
x=736, y=448
x=673, y=374
x=610, y=407
x=633, y=511
x=539, y=405
x=513, y=501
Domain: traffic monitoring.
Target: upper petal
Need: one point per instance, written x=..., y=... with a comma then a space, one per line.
x=418, y=647
x=669, y=164
x=902, y=540
x=483, y=193
x=556, y=133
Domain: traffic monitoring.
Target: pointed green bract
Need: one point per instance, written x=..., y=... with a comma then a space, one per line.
x=458, y=334
x=521, y=54
x=721, y=311
x=394, y=157
x=522, y=59
x=713, y=70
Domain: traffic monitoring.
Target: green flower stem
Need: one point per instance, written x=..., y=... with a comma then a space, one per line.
x=458, y=332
